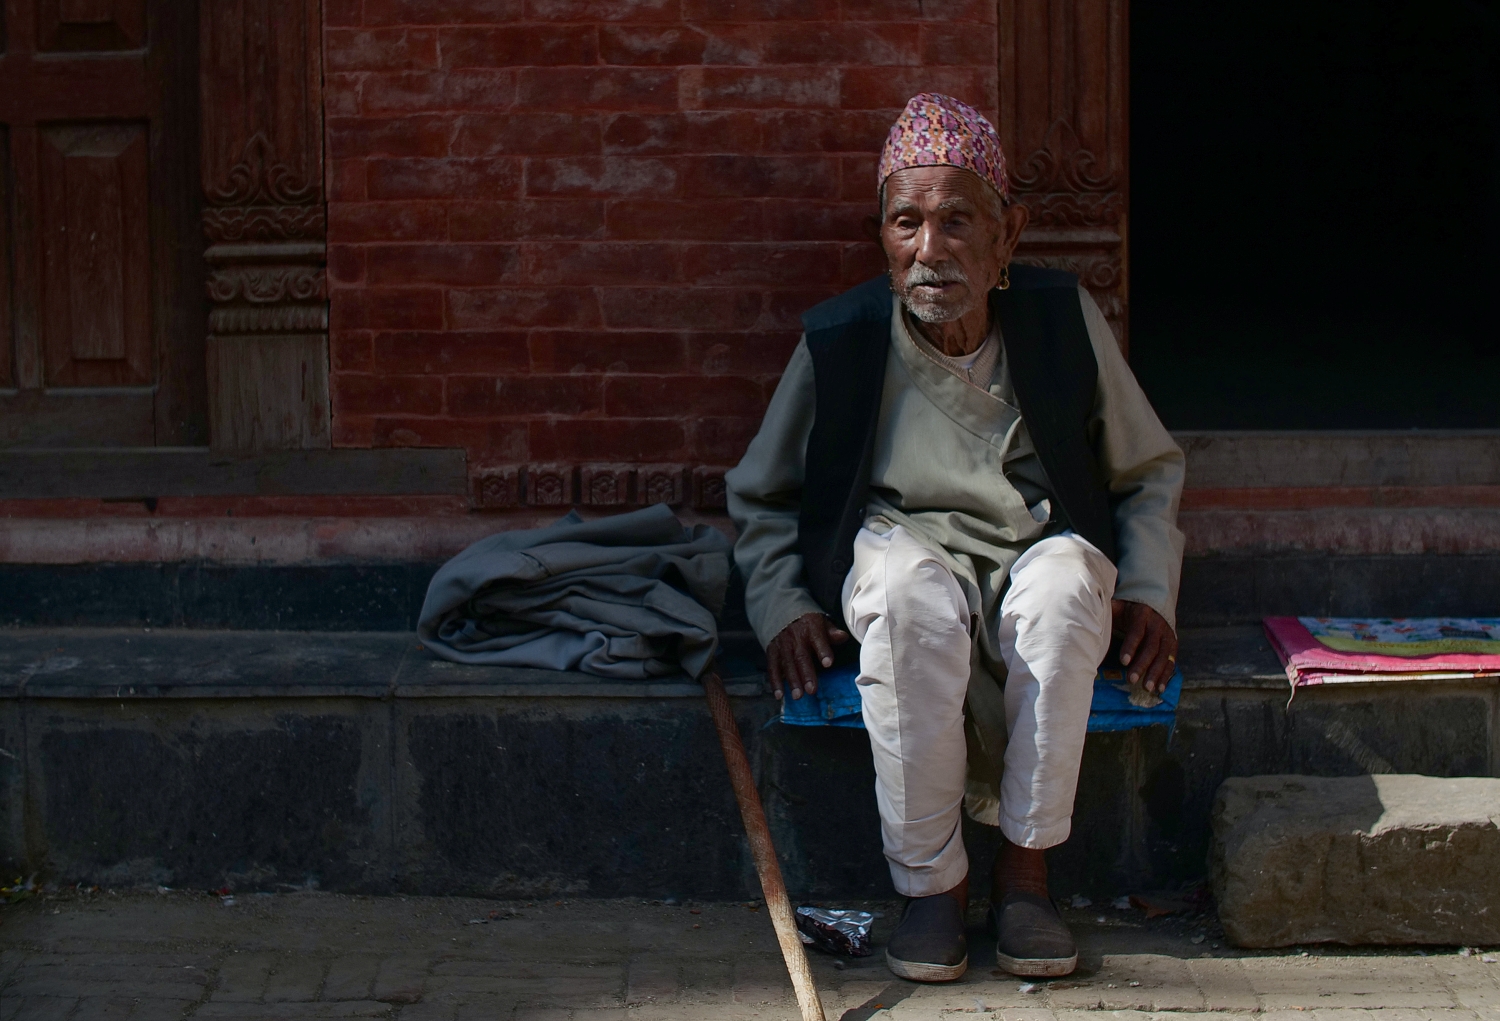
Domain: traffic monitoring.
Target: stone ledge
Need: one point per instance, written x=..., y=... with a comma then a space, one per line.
x=93, y=663
x=119, y=663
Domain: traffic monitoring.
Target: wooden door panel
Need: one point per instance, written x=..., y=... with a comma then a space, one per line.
x=95, y=233
x=101, y=280
x=7, y=319
x=97, y=26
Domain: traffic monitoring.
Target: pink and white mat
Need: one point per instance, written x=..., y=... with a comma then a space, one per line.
x=1372, y=650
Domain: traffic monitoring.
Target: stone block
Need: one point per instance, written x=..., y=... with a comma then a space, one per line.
x=1368, y=859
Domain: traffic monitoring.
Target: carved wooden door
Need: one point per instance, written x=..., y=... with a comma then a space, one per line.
x=101, y=293
x=1064, y=122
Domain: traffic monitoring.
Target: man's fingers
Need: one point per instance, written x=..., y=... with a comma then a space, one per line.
x=1133, y=635
x=820, y=644
x=1142, y=660
x=1166, y=659
x=773, y=666
x=837, y=635
x=807, y=671
x=1160, y=672
x=1160, y=667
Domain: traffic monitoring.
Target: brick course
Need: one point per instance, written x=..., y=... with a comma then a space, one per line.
x=575, y=236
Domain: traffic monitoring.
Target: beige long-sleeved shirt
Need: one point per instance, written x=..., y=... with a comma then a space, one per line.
x=954, y=464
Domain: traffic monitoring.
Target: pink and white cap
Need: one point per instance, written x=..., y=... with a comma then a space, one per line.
x=936, y=131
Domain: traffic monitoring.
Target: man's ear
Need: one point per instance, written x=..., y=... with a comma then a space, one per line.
x=871, y=226
x=1016, y=217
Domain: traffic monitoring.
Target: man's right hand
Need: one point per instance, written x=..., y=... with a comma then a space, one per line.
x=794, y=656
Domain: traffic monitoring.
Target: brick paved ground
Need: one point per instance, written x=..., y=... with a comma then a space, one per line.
x=292, y=956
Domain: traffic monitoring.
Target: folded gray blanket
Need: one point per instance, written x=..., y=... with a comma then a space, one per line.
x=630, y=596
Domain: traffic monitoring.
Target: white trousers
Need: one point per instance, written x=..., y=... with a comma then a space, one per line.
x=912, y=621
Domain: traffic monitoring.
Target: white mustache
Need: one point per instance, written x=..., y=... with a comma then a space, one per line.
x=942, y=274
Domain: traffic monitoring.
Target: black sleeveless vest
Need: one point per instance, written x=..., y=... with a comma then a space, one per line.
x=1052, y=367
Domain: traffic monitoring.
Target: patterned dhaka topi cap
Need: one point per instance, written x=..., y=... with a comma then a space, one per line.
x=939, y=131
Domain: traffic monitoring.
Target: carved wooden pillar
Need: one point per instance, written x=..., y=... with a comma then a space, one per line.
x=265, y=222
x=1064, y=122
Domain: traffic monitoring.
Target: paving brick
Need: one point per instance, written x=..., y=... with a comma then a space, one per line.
x=706, y=981
x=1131, y=982
x=1474, y=984
x=294, y=979
x=1024, y=1013
x=760, y=980
x=1223, y=984
x=1315, y=982
x=105, y=1008
x=293, y=1011
x=242, y=977
x=400, y=978
x=158, y=1010
x=652, y=978
x=38, y=1008
x=71, y=982
x=10, y=960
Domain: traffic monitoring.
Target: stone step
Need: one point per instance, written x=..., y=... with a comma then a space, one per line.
x=358, y=762
x=1368, y=859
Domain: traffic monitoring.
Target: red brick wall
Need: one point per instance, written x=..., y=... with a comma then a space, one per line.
x=575, y=236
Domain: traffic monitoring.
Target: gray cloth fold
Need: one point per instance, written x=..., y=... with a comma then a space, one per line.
x=631, y=596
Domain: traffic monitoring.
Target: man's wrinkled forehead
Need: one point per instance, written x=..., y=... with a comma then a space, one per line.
x=936, y=189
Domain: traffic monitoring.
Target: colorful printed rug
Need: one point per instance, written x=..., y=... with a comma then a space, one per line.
x=1367, y=650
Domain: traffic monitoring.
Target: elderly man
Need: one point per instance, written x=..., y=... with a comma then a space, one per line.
x=965, y=477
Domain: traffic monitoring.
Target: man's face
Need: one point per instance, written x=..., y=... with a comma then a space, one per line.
x=946, y=239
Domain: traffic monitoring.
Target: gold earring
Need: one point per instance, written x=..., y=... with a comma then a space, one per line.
x=1004, y=283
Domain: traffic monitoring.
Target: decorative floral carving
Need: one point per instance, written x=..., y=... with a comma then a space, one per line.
x=497, y=487
x=549, y=485
x=659, y=483
x=1098, y=271
x=264, y=223
x=1063, y=165
x=258, y=179
x=263, y=285
x=606, y=485
x=1062, y=209
x=708, y=489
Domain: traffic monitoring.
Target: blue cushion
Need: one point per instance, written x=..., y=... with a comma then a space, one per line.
x=837, y=703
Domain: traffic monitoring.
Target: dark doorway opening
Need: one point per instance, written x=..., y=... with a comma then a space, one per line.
x=1315, y=213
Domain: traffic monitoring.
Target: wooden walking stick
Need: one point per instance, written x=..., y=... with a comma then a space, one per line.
x=761, y=849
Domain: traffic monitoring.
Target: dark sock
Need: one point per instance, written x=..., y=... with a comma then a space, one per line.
x=1019, y=870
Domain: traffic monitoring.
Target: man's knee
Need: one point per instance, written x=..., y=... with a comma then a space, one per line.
x=1062, y=572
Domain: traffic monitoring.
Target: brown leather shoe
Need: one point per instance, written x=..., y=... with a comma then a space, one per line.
x=929, y=943
x=1033, y=940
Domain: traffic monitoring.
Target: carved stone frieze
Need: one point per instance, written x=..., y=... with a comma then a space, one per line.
x=265, y=223
x=606, y=485
x=708, y=489
x=497, y=488
x=264, y=285
x=274, y=319
x=549, y=485
x=660, y=483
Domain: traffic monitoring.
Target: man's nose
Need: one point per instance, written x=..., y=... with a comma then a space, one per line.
x=930, y=245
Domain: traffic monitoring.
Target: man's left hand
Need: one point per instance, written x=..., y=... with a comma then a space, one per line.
x=1148, y=645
